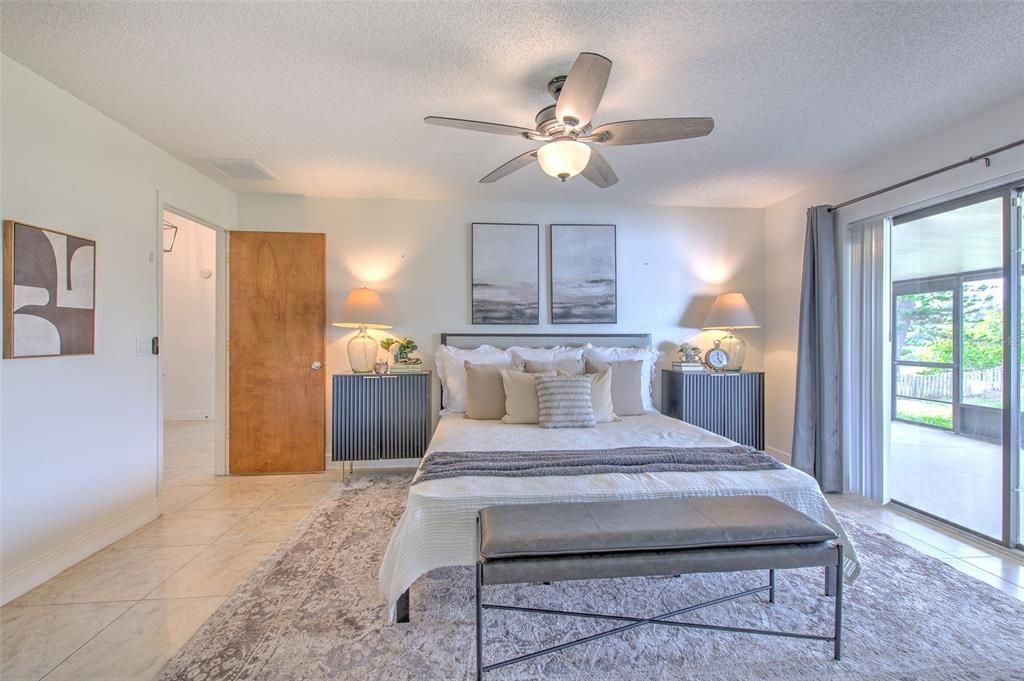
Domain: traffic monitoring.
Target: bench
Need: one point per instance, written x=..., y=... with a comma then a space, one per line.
x=530, y=543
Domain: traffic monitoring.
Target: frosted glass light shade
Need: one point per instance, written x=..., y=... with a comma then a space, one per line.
x=365, y=309
x=563, y=158
x=731, y=311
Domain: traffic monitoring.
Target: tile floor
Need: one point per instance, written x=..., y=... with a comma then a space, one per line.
x=121, y=613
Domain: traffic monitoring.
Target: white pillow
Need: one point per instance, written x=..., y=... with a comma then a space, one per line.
x=601, y=396
x=558, y=354
x=451, y=370
x=648, y=355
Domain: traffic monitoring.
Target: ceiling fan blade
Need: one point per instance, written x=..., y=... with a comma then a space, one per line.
x=651, y=130
x=479, y=126
x=598, y=171
x=512, y=166
x=583, y=89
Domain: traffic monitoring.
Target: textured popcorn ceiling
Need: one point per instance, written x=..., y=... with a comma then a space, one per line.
x=331, y=96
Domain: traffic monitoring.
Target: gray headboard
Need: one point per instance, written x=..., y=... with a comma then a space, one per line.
x=545, y=340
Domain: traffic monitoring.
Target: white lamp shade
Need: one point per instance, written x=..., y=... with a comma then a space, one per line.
x=365, y=308
x=563, y=158
x=731, y=311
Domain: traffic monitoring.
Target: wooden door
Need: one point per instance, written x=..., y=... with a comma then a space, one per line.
x=276, y=377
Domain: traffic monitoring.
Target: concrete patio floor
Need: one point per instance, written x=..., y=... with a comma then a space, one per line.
x=953, y=477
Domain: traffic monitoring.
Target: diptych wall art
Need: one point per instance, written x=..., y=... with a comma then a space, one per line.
x=506, y=273
x=583, y=274
x=49, y=292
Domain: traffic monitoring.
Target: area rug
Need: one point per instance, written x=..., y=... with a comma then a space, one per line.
x=312, y=611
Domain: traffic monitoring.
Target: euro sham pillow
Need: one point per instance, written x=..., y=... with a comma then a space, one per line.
x=521, y=396
x=626, y=384
x=575, y=367
x=451, y=370
x=565, y=401
x=547, y=354
x=647, y=355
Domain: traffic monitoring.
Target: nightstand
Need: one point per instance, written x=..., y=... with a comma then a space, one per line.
x=730, y=404
x=380, y=417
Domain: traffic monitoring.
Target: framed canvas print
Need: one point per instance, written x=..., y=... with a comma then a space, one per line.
x=506, y=273
x=583, y=274
x=49, y=292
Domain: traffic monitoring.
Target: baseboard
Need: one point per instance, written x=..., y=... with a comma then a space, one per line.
x=56, y=560
x=784, y=457
x=188, y=416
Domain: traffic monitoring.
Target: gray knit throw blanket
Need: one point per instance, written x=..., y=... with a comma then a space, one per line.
x=508, y=464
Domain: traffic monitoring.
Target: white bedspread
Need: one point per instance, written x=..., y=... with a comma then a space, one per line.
x=438, y=527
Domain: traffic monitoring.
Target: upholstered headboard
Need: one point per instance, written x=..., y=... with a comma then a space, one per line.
x=545, y=340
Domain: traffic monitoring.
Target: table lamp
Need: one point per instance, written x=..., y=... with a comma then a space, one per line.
x=363, y=309
x=731, y=311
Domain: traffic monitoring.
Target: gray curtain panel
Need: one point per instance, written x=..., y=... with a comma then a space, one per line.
x=817, y=440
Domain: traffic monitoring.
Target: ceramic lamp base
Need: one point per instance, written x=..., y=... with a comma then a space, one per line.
x=362, y=352
x=736, y=349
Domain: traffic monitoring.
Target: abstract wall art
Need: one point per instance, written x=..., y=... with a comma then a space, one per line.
x=583, y=277
x=506, y=273
x=49, y=292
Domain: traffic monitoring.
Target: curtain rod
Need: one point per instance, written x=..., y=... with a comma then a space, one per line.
x=970, y=159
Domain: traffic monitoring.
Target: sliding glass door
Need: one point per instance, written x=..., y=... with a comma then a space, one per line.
x=950, y=453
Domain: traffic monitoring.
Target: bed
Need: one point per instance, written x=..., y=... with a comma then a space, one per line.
x=437, y=528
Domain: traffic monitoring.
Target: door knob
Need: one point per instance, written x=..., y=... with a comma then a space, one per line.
x=316, y=366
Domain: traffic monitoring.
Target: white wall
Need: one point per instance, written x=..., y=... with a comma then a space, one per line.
x=785, y=224
x=187, y=342
x=79, y=434
x=671, y=262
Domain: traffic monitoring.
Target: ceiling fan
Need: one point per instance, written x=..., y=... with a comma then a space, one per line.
x=566, y=130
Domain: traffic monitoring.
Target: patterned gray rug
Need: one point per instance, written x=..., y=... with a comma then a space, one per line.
x=312, y=611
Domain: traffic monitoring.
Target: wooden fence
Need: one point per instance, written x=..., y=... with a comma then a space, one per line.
x=939, y=386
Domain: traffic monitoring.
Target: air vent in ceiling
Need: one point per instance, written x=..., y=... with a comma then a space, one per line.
x=240, y=168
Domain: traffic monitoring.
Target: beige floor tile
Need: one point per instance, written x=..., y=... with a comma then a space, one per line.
x=987, y=577
x=176, y=498
x=228, y=497
x=306, y=494
x=214, y=572
x=114, y=574
x=1011, y=571
x=185, y=528
x=199, y=475
x=139, y=642
x=36, y=639
x=265, y=524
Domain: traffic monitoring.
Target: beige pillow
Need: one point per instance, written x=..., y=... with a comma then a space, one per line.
x=521, y=396
x=601, y=396
x=571, y=367
x=626, y=384
x=485, y=393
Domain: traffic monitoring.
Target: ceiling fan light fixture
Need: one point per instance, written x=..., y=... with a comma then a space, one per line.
x=563, y=158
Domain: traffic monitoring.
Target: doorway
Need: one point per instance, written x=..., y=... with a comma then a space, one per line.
x=190, y=362
x=955, y=370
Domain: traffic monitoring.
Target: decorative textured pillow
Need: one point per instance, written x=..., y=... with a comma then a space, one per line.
x=548, y=354
x=601, y=397
x=648, y=355
x=574, y=367
x=451, y=370
x=626, y=384
x=485, y=393
x=565, y=401
x=521, y=396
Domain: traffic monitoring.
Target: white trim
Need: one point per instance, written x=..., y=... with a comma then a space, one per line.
x=33, y=573
x=187, y=415
x=784, y=457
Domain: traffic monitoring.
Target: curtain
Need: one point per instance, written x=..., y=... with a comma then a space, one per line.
x=865, y=370
x=817, y=440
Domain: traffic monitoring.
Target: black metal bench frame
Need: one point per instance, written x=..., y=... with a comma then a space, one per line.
x=834, y=589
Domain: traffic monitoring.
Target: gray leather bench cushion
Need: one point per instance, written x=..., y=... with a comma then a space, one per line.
x=523, y=530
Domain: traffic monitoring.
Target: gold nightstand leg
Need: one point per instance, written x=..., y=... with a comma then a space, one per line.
x=342, y=469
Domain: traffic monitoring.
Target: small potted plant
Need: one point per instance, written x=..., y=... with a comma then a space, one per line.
x=401, y=348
